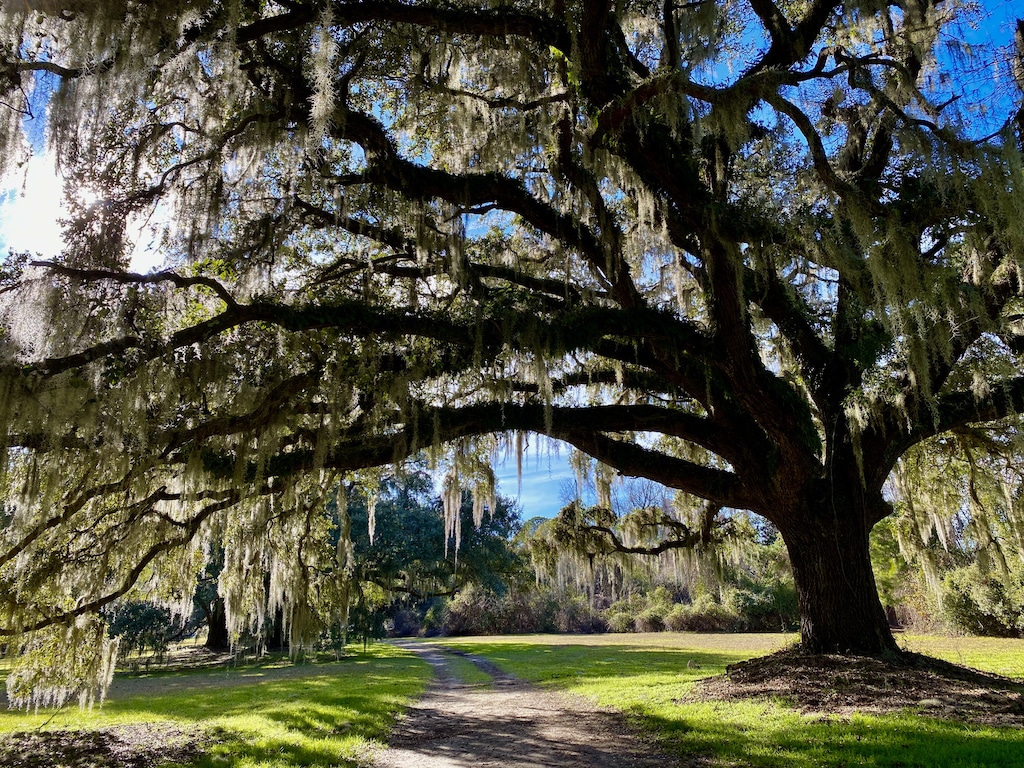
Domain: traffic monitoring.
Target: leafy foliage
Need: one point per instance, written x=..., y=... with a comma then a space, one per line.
x=400, y=573
x=953, y=551
x=144, y=628
x=980, y=604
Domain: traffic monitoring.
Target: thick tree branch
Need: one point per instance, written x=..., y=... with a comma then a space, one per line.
x=134, y=278
x=791, y=44
x=128, y=581
x=497, y=22
x=959, y=409
x=680, y=536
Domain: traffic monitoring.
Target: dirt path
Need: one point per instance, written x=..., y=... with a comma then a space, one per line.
x=509, y=723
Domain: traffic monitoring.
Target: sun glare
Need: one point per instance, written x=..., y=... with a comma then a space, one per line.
x=32, y=203
x=30, y=209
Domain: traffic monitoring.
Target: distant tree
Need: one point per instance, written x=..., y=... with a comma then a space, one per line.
x=957, y=535
x=753, y=251
x=726, y=567
x=144, y=628
x=615, y=527
x=408, y=564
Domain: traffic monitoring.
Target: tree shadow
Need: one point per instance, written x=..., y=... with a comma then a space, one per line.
x=780, y=737
x=516, y=725
x=553, y=664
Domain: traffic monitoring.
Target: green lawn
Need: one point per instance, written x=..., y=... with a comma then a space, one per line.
x=327, y=714
x=1000, y=655
x=313, y=715
x=648, y=677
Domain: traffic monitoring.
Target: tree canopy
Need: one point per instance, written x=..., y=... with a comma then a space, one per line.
x=754, y=251
x=408, y=559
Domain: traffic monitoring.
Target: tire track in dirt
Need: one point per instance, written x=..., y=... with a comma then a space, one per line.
x=509, y=723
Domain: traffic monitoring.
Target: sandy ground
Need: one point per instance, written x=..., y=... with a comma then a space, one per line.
x=507, y=722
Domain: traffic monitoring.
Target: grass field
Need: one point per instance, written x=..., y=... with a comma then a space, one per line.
x=648, y=676
x=263, y=716
x=327, y=714
x=1003, y=656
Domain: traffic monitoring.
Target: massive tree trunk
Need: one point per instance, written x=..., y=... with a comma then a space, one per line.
x=217, y=638
x=277, y=639
x=828, y=544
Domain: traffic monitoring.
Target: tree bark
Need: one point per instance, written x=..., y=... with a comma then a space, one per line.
x=840, y=611
x=277, y=640
x=217, y=638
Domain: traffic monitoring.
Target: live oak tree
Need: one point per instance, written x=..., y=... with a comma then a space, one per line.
x=753, y=251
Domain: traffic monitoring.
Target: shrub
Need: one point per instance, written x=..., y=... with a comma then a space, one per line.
x=676, y=620
x=703, y=615
x=978, y=604
x=767, y=607
x=526, y=611
x=480, y=611
x=660, y=599
x=574, y=614
x=433, y=619
x=619, y=621
x=650, y=620
x=473, y=611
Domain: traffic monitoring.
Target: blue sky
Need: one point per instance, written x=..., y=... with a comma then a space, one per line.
x=546, y=474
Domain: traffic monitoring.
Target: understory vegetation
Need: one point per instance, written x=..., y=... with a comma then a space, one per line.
x=961, y=573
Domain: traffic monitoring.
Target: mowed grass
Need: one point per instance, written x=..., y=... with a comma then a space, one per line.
x=324, y=714
x=1003, y=656
x=329, y=714
x=649, y=676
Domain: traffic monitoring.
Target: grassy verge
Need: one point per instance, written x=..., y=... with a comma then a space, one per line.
x=649, y=677
x=1003, y=656
x=312, y=715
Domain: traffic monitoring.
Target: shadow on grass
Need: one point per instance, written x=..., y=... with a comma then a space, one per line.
x=769, y=735
x=619, y=676
x=553, y=664
x=648, y=683
x=320, y=715
x=253, y=749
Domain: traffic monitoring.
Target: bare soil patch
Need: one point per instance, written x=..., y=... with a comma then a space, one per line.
x=843, y=685
x=142, y=745
x=509, y=723
x=126, y=746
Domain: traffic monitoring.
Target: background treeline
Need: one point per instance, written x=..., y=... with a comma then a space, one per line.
x=589, y=570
